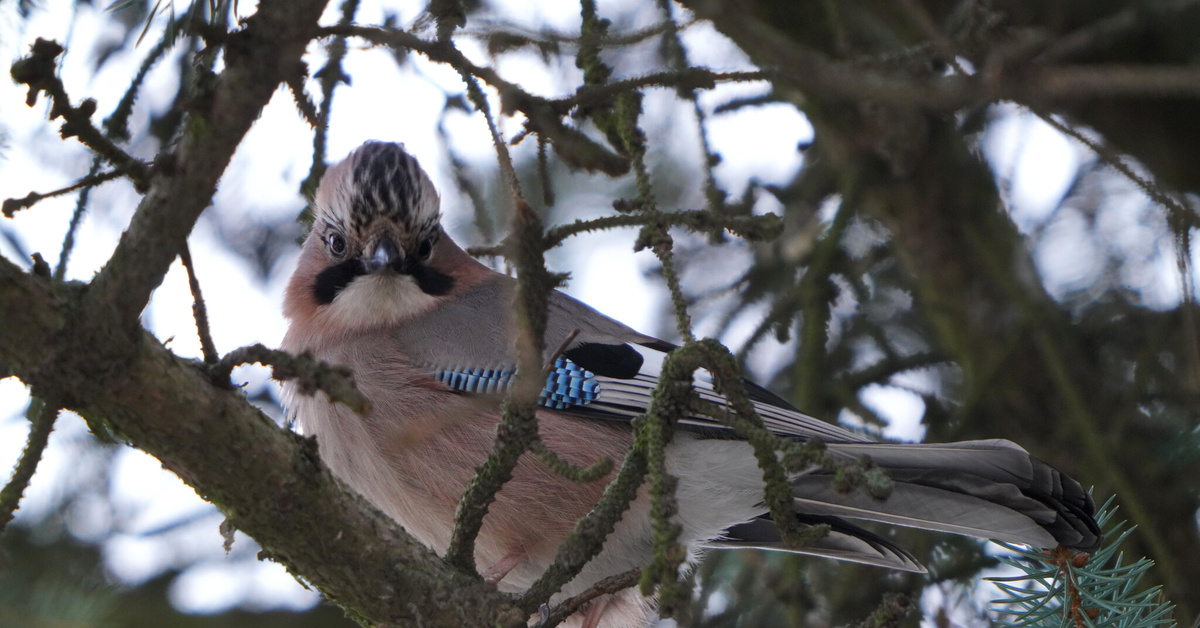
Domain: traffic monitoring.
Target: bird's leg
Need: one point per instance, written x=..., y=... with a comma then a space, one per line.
x=496, y=572
x=592, y=619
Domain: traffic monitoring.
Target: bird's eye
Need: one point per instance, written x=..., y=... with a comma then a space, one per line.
x=425, y=249
x=337, y=244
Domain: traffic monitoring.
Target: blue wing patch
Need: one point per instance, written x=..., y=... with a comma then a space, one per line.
x=567, y=385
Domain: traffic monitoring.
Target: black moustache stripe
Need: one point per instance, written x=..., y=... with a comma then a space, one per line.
x=430, y=281
x=334, y=279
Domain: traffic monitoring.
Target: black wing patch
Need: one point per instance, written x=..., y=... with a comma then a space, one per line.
x=762, y=395
x=756, y=392
x=617, y=361
x=660, y=345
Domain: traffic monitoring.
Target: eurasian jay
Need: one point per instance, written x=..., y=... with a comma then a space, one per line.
x=428, y=333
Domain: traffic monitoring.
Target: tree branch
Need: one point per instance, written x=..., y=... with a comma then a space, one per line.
x=281, y=494
x=258, y=58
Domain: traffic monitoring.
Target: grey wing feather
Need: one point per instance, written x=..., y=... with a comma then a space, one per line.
x=843, y=541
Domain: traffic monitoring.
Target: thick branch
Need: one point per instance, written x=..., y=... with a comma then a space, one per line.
x=269, y=482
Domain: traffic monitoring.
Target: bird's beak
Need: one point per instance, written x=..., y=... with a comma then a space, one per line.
x=385, y=254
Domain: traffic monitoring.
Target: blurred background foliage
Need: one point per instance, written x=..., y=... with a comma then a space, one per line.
x=906, y=265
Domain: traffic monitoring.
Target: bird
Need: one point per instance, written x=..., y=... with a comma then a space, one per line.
x=428, y=333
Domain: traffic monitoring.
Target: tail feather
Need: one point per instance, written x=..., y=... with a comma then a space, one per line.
x=844, y=541
x=989, y=489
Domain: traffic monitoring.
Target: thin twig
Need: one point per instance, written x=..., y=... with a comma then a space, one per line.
x=330, y=76
x=304, y=103
x=607, y=586
x=14, y=205
x=1182, y=217
x=1187, y=278
x=39, y=434
x=199, y=311
x=116, y=125
x=1114, y=159
x=752, y=228
x=489, y=29
x=38, y=72
x=310, y=374
x=684, y=78
x=562, y=347
x=515, y=97
x=60, y=271
x=518, y=430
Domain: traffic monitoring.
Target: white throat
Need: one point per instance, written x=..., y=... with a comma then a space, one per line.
x=376, y=300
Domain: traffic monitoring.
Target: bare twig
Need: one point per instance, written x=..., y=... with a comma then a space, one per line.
x=38, y=72
x=116, y=126
x=60, y=271
x=497, y=29
x=14, y=205
x=199, y=311
x=43, y=415
x=751, y=228
x=1178, y=212
x=330, y=76
x=562, y=347
x=687, y=78
x=304, y=103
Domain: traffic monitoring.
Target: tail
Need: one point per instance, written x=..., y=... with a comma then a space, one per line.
x=991, y=489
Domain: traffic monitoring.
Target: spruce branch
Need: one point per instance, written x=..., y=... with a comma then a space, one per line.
x=1061, y=588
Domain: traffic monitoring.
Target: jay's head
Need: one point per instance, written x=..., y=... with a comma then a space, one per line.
x=372, y=256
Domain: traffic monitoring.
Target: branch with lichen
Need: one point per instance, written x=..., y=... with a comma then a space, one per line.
x=310, y=375
x=751, y=228
x=607, y=586
x=518, y=429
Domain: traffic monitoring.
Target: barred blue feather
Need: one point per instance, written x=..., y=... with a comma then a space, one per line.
x=568, y=384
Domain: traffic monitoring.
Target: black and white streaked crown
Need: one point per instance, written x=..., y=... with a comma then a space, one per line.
x=387, y=181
